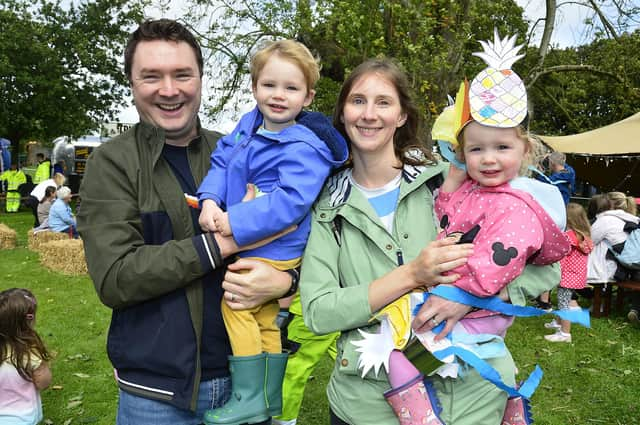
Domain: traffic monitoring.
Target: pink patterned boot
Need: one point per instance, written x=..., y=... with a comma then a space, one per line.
x=415, y=403
x=517, y=412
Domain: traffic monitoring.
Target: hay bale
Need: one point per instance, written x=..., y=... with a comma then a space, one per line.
x=65, y=256
x=35, y=240
x=7, y=237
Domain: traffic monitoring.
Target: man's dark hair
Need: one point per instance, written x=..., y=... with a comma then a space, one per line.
x=161, y=29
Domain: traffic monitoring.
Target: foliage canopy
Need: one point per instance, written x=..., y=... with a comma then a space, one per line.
x=60, y=70
x=433, y=40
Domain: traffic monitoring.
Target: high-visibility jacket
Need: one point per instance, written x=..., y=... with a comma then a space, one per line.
x=43, y=172
x=14, y=178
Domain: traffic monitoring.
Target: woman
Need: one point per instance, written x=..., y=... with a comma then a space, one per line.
x=372, y=241
x=37, y=194
x=45, y=206
x=608, y=230
x=60, y=217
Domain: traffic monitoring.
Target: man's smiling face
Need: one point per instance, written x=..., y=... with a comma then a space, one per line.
x=166, y=86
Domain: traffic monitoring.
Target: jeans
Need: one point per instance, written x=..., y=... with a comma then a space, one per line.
x=136, y=410
x=335, y=420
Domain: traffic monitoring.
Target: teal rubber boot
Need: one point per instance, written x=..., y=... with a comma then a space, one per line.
x=247, y=404
x=276, y=366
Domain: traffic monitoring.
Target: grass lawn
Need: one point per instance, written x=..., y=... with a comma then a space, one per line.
x=593, y=380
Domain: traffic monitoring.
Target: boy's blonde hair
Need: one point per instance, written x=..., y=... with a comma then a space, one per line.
x=292, y=51
x=533, y=151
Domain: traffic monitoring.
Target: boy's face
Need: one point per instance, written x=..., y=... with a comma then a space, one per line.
x=281, y=92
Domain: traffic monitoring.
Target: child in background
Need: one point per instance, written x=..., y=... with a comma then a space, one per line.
x=573, y=269
x=285, y=155
x=306, y=350
x=24, y=369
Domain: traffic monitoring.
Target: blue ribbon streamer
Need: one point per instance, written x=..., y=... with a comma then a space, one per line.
x=485, y=370
x=452, y=293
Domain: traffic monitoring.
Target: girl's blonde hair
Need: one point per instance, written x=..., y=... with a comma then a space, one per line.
x=577, y=220
x=292, y=51
x=620, y=201
x=533, y=149
x=18, y=338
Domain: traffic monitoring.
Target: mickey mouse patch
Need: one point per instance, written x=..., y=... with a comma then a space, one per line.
x=502, y=256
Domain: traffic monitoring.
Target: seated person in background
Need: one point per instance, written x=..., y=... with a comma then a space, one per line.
x=37, y=195
x=608, y=230
x=597, y=204
x=562, y=175
x=44, y=207
x=60, y=217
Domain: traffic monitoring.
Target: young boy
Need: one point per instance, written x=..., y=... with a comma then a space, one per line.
x=286, y=155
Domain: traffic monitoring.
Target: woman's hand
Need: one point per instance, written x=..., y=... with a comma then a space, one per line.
x=424, y=271
x=436, y=310
x=250, y=283
x=436, y=258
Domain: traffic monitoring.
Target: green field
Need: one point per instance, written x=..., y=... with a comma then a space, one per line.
x=590, y=381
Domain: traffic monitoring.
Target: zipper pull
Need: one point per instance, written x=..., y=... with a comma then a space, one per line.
x=400, y=258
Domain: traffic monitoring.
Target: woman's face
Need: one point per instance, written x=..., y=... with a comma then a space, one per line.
x=371, y=114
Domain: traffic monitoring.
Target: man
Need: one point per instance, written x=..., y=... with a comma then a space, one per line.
x=562, y=175
x=149, y=261
x=13, y=178
x=43, y=172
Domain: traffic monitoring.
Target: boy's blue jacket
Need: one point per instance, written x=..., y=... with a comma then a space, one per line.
x=290, y=169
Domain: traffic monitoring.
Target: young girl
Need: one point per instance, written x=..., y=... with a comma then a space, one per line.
x=24, y=369
x=573, y=268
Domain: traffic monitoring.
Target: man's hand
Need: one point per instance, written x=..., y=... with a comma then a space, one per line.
x=250, y=283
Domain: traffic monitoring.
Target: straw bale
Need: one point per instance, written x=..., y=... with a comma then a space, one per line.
x=65, y=256
x=7, y=237
x=34, y=240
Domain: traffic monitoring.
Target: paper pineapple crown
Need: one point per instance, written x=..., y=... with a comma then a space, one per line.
x=496, y=96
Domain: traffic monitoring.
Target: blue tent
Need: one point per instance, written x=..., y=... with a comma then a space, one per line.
x=5, y=154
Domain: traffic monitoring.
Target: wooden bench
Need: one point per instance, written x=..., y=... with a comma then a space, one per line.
x=603, y=294
x=624, y=288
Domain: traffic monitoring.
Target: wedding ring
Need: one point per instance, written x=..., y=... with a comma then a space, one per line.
x=231, y=299
x=433, y=321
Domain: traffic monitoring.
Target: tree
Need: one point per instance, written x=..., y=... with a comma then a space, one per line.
x=585, y=87
x=431, y=39
x=60, y=71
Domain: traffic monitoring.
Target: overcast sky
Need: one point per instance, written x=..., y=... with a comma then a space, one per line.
x=569, y=31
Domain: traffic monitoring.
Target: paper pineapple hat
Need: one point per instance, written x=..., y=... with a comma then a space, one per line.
x=497, y=96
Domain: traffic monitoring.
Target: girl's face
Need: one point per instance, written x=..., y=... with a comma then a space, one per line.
x=371, y=114
x=493, y=155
